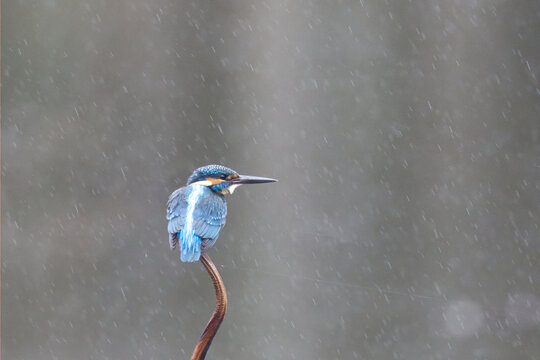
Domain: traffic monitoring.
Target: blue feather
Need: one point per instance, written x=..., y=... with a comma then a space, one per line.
x=196, y=215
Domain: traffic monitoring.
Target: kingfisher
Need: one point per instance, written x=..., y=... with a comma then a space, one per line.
x=196, y=212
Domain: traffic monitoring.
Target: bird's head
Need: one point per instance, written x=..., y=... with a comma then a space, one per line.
x=223, y=180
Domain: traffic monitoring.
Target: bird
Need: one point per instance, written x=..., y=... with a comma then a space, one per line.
x=196, y=213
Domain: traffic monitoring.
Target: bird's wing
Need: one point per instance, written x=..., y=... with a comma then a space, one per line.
x=209, y=216
x=176, y=210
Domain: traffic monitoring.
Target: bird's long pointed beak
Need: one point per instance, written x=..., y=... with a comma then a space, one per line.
x=247, y=179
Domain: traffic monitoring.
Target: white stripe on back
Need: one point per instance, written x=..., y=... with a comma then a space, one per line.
x=193, y=197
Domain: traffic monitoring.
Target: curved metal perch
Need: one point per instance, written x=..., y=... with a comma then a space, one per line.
x=219, y=313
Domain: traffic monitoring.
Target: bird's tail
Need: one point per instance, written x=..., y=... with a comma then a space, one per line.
x=190, y=246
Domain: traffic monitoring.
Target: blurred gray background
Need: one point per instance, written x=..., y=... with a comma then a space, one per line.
x=405, y=135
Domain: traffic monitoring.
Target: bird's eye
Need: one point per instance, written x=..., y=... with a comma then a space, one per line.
x=223, y=176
